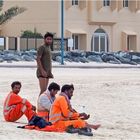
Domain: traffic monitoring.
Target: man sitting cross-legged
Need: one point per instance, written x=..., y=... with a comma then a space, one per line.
x=63, y=116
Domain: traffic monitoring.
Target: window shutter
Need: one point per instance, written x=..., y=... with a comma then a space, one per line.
x=68, y=4
x=124, y=41
x=82, y=4
x=132, y=5
x=99, y=4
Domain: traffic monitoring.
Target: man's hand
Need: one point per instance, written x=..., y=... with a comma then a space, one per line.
x=84, y=116
x=73, y=110
x=33, y=108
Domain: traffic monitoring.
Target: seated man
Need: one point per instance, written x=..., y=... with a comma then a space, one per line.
x=46, y=99
x=62, y=115
x=15, y=106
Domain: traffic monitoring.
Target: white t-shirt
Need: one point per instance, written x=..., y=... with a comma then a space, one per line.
x=45, y=101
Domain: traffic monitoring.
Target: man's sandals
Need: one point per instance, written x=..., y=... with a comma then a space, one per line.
x=81, y=131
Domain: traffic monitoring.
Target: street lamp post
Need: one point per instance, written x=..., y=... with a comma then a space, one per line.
x=62, y=32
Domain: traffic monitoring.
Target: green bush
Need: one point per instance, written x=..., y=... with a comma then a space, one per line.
x=30, y=34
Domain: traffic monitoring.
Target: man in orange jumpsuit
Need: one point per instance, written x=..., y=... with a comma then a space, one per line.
x=62, y=115
x=15, y=106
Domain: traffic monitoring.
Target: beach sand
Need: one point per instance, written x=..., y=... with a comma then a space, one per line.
x=110, y=96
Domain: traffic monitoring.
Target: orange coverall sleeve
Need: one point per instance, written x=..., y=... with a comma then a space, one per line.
x=28, y=103
x=15, y=99
x=65, y=109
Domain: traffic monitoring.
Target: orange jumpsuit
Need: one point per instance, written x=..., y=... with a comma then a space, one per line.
x=43, y=114
x=15, y=107
x=62, y=117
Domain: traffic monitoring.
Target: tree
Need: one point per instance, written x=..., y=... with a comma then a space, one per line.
x=30, y=34
x=10, y=13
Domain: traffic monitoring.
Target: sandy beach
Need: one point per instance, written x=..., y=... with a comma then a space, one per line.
x=110, y=96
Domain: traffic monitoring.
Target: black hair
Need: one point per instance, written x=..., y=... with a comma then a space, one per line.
x=48, y=34
x=53, y=86
x=67, y=87
x=15, y=83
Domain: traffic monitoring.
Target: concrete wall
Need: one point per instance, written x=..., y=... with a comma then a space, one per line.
x=114, y=22
x=42, y=15
x=86, y=17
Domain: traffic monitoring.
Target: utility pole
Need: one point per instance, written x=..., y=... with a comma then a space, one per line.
x=62, y=32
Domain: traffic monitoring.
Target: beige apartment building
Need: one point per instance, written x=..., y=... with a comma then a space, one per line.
x=95, y=25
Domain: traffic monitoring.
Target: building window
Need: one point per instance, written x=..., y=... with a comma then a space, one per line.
x=74, y=2
x=106, y=2
x=75, y=42
x=125, y=3
x=99, y=41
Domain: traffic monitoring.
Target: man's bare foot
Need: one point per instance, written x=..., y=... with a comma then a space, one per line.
x=95, y=127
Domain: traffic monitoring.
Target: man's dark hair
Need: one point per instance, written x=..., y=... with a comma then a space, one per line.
x=67, y=87
x=15, y=83
x=53, y=86
x=48, y=34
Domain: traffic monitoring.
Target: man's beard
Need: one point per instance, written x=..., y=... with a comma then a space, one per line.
x=48, y=43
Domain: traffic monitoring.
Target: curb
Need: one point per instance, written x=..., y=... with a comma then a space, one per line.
x=70, y=66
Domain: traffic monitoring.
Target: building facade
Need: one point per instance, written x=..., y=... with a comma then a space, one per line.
x=94, y=25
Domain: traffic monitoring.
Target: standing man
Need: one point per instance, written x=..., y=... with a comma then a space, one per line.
x=46, y=99
x=44, y=64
